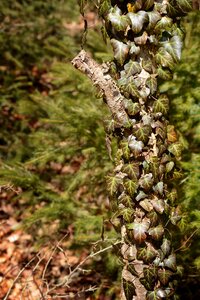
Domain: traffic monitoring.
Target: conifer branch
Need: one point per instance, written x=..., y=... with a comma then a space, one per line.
x=104, y=82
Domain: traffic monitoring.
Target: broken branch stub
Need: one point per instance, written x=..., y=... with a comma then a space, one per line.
x=95, y=72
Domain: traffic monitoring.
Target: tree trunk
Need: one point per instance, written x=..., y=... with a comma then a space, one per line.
x=147, y=41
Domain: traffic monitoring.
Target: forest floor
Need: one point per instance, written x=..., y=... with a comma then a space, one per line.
x=32, y=271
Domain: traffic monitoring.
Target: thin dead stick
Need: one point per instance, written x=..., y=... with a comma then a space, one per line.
x=90, y=289
x=51, y=256
x=39, y=261
x=47, y=264
x=31, y=278
x=9, y=187
x=8, y=271
x=84, y=260
x=38, y=287
x=188, y=239
x=17, y=277
x=26, y=289
x=97, y=74
x=91, y=255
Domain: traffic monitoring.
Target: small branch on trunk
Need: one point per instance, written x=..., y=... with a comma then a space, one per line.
x=114, y=99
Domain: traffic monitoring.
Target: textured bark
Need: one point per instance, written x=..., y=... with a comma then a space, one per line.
x=147, y=41
x=104, y=82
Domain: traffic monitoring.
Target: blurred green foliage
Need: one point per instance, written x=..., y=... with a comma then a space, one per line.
x=52, y=140
x=184, y=92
